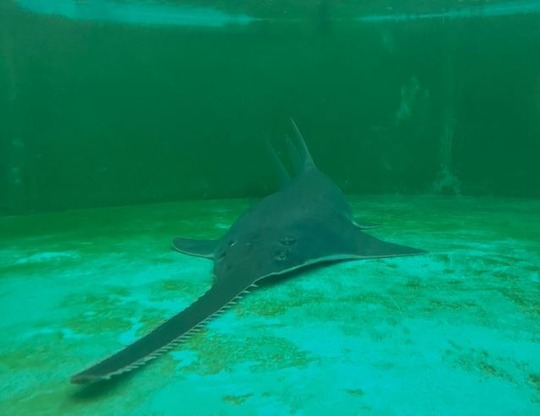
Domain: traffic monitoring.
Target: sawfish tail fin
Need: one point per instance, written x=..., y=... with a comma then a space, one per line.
x=297, y=160
x=284, y=175
x=307, y=160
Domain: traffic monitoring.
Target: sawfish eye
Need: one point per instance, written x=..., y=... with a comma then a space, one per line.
x=280, y=255
x=288, y=241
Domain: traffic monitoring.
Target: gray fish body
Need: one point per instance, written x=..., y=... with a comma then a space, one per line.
x=261, y=244
x=308, y=221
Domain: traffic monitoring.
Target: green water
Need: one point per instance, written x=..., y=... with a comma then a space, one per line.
x=99, y=113
x=125, y=123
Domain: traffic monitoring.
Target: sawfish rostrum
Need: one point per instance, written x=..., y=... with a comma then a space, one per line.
x=308, y=221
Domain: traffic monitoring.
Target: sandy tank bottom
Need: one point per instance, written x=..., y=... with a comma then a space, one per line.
x=453, y=332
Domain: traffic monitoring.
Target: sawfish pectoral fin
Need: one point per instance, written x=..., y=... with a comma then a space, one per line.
x=194, y=247
x=371, y=247
x=366, y=225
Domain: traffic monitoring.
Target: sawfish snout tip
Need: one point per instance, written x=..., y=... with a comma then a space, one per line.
x=85, y=379
x=79, y=380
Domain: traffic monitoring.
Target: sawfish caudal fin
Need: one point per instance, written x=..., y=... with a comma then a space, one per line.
x=166, y=336
x=307, y=160
x=284, y=176
x=369, y=247
x=200, y=248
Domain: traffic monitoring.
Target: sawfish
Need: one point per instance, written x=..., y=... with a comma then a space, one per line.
x=308, y=221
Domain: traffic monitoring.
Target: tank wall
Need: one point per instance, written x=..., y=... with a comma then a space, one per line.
x=101, y=112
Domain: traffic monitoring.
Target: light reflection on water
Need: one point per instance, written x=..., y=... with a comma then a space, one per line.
x=147, y=13
x=463, y=12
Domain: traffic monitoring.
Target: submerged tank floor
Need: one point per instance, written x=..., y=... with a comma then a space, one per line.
x=456, y=331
